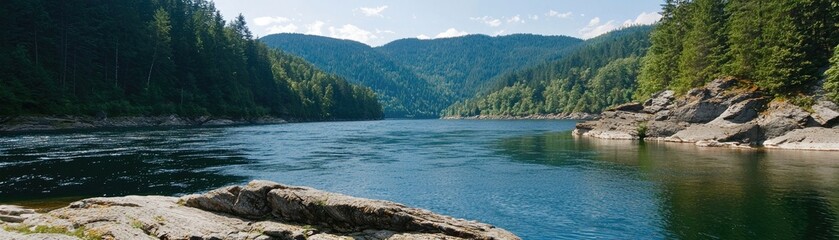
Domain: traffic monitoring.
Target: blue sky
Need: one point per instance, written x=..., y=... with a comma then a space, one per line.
x=379, y=22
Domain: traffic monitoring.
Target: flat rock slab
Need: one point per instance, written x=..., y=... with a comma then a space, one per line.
x=259, y=210
x=808, y=139
x=743, y=134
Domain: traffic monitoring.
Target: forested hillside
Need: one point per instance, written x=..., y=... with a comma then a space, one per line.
x=782, y=47
x=419, y=78
x=157, y=57
x=401, y=91
x=599, y=73
x=462, y=65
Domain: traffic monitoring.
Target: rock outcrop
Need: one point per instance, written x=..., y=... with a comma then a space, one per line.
x=720, y=114
x=258, y=210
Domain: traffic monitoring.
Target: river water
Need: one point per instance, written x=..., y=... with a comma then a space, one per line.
x=530, y=177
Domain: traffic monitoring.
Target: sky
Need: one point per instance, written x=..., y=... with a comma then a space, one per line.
x=376, y=23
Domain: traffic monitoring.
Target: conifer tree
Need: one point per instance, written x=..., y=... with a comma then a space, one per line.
x=831, y=84
x=704, y=45
x=660, y=65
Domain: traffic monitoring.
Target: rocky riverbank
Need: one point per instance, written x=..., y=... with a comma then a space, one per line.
x=723, y=113
x=47, y=123
x=560, y=116
x=258, y=210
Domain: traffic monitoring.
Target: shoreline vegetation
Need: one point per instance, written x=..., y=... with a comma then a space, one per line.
x=258, y=210
x=558, y=116
x=57, y=123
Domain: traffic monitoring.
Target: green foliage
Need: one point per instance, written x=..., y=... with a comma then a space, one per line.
x=80, y=232
x=780, y=46
x=157, y=57
x=703, y=48
x=594, y=76
x=831, y=84
x=660, y=65
x=418, y=78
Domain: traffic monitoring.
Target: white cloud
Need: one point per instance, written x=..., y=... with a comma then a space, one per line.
x=451, y=32
x=351, y=32
x=290, y=28
x=516, y=19
x=498, y=33
x=372, y=11
x=556, y=14
x=384, y=31
x=643, y=19
x=315, y=28
x=594, y=28
x=489, y=21
x=265, y=21
x=534, y=17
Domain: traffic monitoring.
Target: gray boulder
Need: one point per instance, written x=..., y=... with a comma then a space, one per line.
x=742, y=112
x=628, y=107
x=746, y=134
x=826, y=113
x=663, y=129
x=660, y=101
x=341, y=213
x=782, y=117
x=614, y=125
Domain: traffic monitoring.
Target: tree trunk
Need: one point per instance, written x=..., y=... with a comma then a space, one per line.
x=153, y=58
x=116, y=66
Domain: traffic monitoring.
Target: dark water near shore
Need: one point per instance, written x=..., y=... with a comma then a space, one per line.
x=530, y=177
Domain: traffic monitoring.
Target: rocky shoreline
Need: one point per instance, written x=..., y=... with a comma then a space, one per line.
x=51, y=123
x=258, y=210
x=560, y=116
x=721, y=114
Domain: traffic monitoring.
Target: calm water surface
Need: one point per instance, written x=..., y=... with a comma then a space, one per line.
x=530, y=177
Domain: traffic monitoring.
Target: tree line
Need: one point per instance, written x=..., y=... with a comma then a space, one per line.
x=157, y=57
x=782, y=47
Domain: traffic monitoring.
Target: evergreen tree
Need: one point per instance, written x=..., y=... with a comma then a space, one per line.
x=831, y=84
x=745, y=31
x=704, y=45
x=661, y=64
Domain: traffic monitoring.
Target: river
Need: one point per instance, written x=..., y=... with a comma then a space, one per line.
x=530, y=177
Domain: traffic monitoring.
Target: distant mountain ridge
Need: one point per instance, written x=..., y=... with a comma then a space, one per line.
x=419, y=78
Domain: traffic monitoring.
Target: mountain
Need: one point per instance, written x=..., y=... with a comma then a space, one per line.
x=593, y=75
x=135, y=58
x=419, y=78
x=401, y=92
x=463, y=64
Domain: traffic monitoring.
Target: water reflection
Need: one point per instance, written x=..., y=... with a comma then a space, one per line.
x=710, y=193
x=77, y=165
